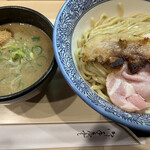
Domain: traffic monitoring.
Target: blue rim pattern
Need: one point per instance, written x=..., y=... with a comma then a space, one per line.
x=68, y=17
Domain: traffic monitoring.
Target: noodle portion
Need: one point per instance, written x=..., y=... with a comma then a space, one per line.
x=94, y=73
x=131, y=28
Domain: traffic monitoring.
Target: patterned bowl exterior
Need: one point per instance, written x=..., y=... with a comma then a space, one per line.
x=69, y=15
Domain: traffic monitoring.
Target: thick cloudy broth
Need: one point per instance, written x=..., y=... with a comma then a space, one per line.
x=24, y=58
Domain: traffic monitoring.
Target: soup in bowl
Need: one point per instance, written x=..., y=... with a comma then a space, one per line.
x=26, y=53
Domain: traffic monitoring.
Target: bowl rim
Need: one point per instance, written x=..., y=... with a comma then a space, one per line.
x=11, y=97
x=81, y=95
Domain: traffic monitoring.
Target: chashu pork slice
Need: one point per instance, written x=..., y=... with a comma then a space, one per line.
x=115, y=51
x=127, y=91
x=99, y=49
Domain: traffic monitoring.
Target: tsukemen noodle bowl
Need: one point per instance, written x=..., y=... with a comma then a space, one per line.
x=102, y=49
x=27, y=61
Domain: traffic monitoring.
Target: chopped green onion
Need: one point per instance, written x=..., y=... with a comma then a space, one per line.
x=1, y=53
x=37, y=50
x=16, y=75
x=39, y=59
x=36, y=39
x=21, y=85
x=17, y=55
x=26, y=50
x=31, y=55
x=2, y=79
x=40, y=65
x=10, y=44
x=43, y=57
x=2, y=59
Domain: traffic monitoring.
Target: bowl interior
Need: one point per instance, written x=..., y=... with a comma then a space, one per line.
x=17, y=14
x=72, y=20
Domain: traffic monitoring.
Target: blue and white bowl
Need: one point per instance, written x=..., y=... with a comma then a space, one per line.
x=72, y=20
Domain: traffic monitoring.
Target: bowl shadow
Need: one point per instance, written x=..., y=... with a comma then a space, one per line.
x=56, y=97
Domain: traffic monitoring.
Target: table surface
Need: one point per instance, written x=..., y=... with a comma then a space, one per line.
x=54, y=105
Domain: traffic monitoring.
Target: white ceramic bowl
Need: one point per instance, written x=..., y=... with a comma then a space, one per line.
x=72, y=20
